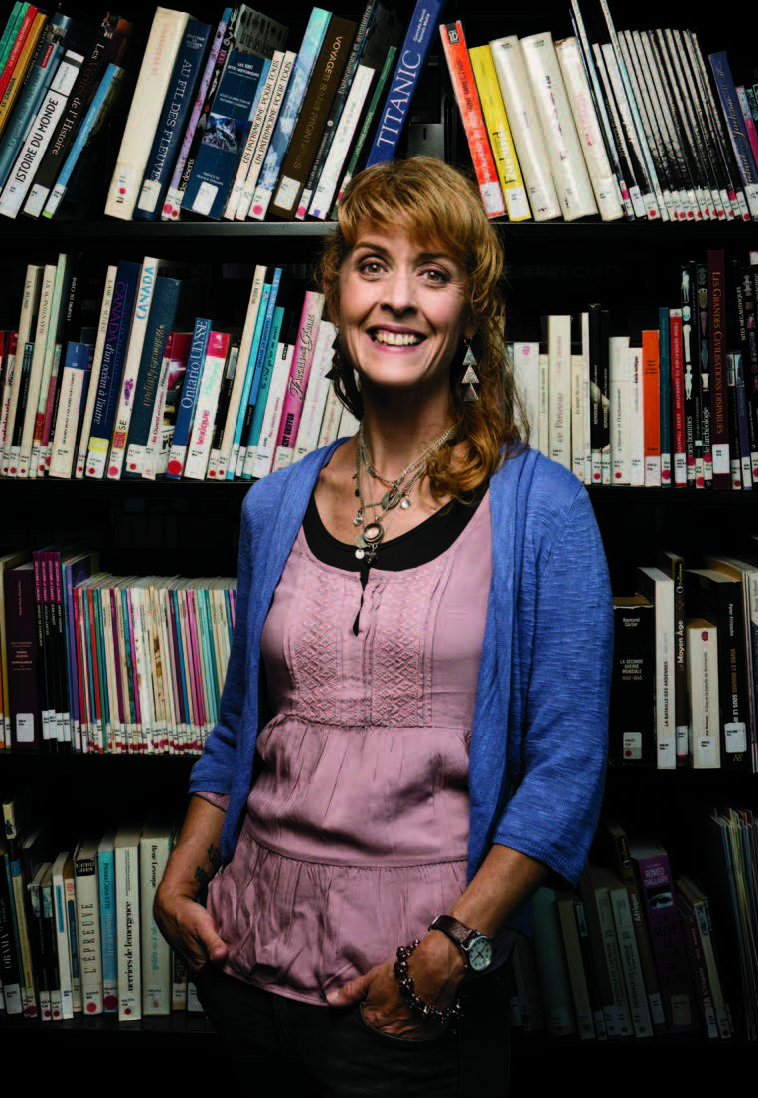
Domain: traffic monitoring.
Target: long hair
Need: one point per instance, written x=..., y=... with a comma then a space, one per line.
x=439, y=205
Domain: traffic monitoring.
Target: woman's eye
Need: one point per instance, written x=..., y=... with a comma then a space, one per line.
x=433, y=274
x=370, y=267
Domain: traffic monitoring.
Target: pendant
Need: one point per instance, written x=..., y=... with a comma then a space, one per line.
x=373, y=534
x=390, y=498
x=405, y=503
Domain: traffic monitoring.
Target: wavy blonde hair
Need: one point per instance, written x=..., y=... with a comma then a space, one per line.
x=438, y=205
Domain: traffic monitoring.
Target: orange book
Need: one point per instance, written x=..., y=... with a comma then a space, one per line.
x=16, y=71
x=464, y=86
x=651, y=391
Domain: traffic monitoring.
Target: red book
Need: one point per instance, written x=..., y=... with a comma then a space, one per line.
x=722, y=477
x=467, y=97
x=651, y=391
x=677, y=400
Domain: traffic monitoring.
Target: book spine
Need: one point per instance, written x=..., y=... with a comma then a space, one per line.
x=464, y=86
x=190, y=390
x=717, y=370
x=292, y=408
x=652, y=416
x=323, y=196
x=268, y=129
x=525, y=127
x=410, y=61
x=499, y=132
x=164, y=41
x=735, y=126
x=702, y=676
x=570, y=176
x=677, y=398
x=172, y=120
x=198, y=450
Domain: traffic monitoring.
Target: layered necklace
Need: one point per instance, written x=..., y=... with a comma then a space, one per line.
x=373, y=530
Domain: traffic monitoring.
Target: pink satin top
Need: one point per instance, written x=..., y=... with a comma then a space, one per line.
x=356, y=829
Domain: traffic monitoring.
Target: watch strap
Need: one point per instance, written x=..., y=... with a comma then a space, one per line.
x=455, y=930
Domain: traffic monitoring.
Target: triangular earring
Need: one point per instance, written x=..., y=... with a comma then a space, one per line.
x=470, y=377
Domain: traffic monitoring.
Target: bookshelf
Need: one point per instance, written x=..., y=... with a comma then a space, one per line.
x=192, y=527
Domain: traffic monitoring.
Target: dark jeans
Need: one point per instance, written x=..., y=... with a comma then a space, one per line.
x=336, y=1054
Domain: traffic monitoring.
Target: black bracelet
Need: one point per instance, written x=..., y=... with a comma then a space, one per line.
x=452, y=1013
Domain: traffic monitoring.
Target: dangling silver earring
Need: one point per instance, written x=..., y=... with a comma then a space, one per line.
x=470, y=377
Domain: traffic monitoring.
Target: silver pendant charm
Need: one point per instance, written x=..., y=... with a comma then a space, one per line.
x=373, y=534
x=405, y=504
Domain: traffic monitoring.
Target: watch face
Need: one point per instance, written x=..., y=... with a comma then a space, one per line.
x=480, y=953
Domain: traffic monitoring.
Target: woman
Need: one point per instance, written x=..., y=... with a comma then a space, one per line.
x=415, y=712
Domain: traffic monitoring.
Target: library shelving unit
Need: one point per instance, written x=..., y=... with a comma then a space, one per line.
x=191, y=528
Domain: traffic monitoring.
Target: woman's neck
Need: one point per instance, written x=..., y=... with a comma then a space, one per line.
x=395, y=442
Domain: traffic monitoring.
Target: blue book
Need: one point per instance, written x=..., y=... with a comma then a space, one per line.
x=97, y=112
x=106, y=881
x=267, y=370
x=160, y=321
x=179, y=101
x=418, y=37
x=111, y=367
x=188, y=401
x=224, y=138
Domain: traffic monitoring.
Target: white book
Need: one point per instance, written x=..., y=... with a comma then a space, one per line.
x=23, y=454
x=702, y=677
x=155, y=847
x=63, y=867
x=330, y=421
x=557, y=338
x=636, y=418
x=267, y=129
x=570, y=176
x=630, y=961
x=97, y=358
x=259, y=460
x=584, y=326
x=166, y=35
x=39, y=136
x=588, y=130
x=526, y=128
x=321, y=202
x=619, y=375
x=88, y=926
x=580, y=392
x=317, y=391
x=525, y=363
x=199, y=448
x=658, y=588
x=126, y=865
x=258, y=113
x=73, y=381
x=34, y=456
x=140, y=316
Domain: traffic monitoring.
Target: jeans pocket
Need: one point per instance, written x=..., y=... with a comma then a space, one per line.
x=382, y=1035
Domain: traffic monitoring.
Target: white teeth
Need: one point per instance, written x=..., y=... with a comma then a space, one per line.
x=397, y=339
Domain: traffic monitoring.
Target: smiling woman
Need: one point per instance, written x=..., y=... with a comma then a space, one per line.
x=403, y=755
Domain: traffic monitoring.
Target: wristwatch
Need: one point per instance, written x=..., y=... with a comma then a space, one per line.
x=476, y=947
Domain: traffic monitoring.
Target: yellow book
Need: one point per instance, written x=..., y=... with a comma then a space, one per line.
x=19, y=70
x=496, y=121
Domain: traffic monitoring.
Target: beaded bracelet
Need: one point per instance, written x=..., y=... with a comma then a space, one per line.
x=452, y=1013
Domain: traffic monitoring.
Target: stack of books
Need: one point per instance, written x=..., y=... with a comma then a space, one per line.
x=103, y=664
x=641, y=951
x=683, y=687
x=672, y=405
x=76, y=923
x=140, y=388
x=636, y=124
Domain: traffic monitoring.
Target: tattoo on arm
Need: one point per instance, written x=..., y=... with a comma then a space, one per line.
x=203, y=877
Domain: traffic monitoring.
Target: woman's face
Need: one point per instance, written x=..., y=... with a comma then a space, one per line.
x=403, y=310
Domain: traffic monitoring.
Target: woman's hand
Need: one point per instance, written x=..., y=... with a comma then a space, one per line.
x=437, y=968
x=188, y=928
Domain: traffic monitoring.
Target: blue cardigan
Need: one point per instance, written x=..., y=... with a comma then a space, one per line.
x=539, y=737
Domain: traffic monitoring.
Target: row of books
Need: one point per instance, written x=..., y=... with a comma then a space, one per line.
x=77, y=932
x=628, y=124
x=675, y=405
x=685, y=665
x=225, y=121
x=98, y=663
x=130, y=392
x=643, y=950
